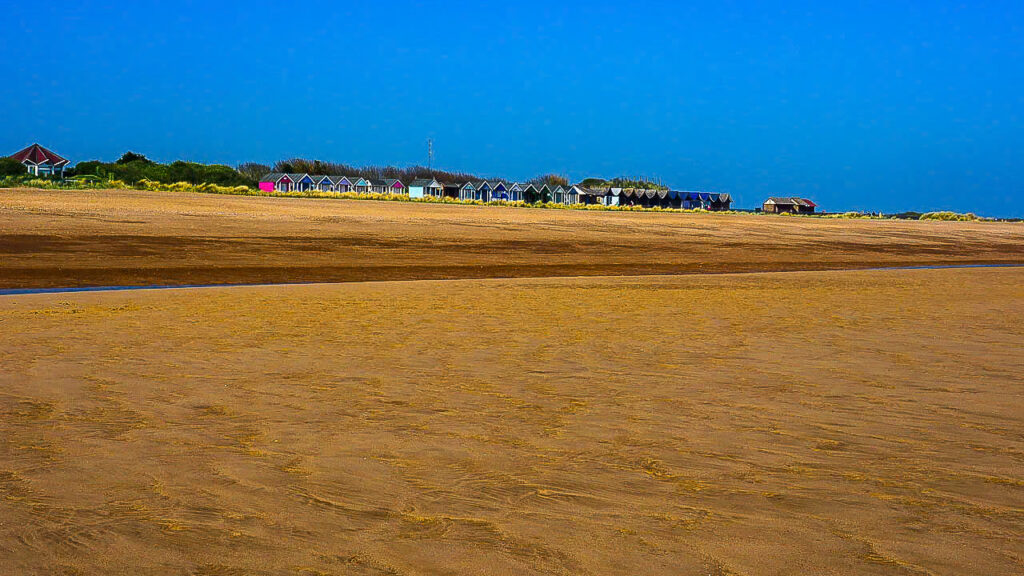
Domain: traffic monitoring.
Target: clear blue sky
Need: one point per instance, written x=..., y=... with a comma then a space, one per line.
x=858, y=105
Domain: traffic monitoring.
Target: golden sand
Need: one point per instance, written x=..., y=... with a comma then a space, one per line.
x=791, y=423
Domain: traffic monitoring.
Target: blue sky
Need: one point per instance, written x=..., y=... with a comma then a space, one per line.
x=857, y=105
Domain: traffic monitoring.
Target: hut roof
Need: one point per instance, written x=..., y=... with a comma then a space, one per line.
x=36, y=154
x=274, y=177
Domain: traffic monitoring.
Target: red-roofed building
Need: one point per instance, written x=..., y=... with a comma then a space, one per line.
x=790, y=205
x=40, y=161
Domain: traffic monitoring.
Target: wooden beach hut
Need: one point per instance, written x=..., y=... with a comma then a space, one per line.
x=423, y=187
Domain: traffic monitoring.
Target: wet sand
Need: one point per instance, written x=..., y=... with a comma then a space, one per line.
x=803, y=423
x=121, y=237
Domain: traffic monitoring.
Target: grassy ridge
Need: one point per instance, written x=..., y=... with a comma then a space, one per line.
x=151, y=185
x=91, y=183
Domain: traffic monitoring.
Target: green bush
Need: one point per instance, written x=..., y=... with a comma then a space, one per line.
x=849, y=215
x=949, y=216
x=133, y=167
x=11, y=167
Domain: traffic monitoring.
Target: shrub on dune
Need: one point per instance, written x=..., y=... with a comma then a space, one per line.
x=949, y=216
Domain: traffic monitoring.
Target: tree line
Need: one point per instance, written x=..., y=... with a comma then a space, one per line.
x=622, y=183
x=406, y=175
x=133, y=167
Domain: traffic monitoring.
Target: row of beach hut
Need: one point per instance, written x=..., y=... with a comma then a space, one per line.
x=498, y=190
